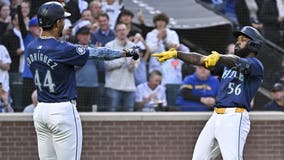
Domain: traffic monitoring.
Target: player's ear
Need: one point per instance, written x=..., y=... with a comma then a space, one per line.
x=57, y=23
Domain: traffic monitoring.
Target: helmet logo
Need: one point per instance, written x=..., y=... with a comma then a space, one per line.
x=44, y=11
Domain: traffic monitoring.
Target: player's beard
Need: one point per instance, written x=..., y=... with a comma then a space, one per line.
x=242, y=52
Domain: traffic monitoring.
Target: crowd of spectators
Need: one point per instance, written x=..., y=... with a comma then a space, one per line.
x=265, y=15
x=124, y=84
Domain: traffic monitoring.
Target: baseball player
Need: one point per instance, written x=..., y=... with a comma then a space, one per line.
x=56, y=120
x=241, y=76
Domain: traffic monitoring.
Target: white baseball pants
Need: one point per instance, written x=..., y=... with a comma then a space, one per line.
x=225, y=133
x=59, y=131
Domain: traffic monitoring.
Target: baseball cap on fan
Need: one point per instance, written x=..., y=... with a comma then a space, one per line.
x=277, y=87
x=83, y=30
x=79, y=25
x=33, y=22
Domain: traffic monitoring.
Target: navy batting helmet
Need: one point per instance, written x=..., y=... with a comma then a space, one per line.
x=256, y=39
x=49, y=12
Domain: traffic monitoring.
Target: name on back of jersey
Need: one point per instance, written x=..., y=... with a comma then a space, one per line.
x=41, y=58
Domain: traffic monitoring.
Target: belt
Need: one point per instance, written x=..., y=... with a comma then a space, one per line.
x=73, y=101
x=229, y=110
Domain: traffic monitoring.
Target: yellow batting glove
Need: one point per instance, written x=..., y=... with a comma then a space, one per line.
x=212, y=59
x=163, y=56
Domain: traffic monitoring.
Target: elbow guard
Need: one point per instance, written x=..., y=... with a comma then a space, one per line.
x=243, y=66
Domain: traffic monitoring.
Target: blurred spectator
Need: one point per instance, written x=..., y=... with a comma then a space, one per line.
x=151, y=95
x=86, y=19
x=126, y=17
x=96, y=9
x=229, y=9
x=104, y=34
x=171, y=71
x=112, y=8
x=120, y=83
x=25, y=9
x=230, y=49
x=79, y=25
x=13, y=6
x=4, y=105
x=100, y=38
x=6, y=2
x=75, y=7
x=5, y=62
x=161, y=39
x=271, y=16
x=30, y=108
x=217, y=5
x=5, y=19
x=15, y=45
x=198, y=91
x=172, y=68
x=144, y=51
x=277, y=102
x=86, y=76
x=247, y=13
x=86, y=15
x=29, y=35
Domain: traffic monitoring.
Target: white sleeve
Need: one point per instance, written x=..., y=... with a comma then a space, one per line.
x=153, y=43
x=139, y=95
x=113, y=64
x=163, y=97
x=5, y=57
x=172, y=37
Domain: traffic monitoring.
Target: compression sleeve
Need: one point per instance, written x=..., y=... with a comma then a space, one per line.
x=103, y=53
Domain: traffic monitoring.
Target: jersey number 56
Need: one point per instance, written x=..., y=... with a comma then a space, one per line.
x=233, y=88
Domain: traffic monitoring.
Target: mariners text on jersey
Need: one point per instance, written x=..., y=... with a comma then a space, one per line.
x=42, y=58
x=230, y=73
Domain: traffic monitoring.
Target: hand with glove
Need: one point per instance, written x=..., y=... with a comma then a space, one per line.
x=172, y=53
x=212, y=59
x=132, y=52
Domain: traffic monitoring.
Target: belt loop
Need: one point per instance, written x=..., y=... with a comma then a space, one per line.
x=74, y=102
x=240, y=110
x=220, y=110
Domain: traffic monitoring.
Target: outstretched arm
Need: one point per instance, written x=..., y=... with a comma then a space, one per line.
x=191, y=57
x=103, y=53
x=210, y=60
x=198, y=59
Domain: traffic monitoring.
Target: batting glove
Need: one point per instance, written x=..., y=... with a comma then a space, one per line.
x=132, y=52
x=212, y=59
x=172, y=53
